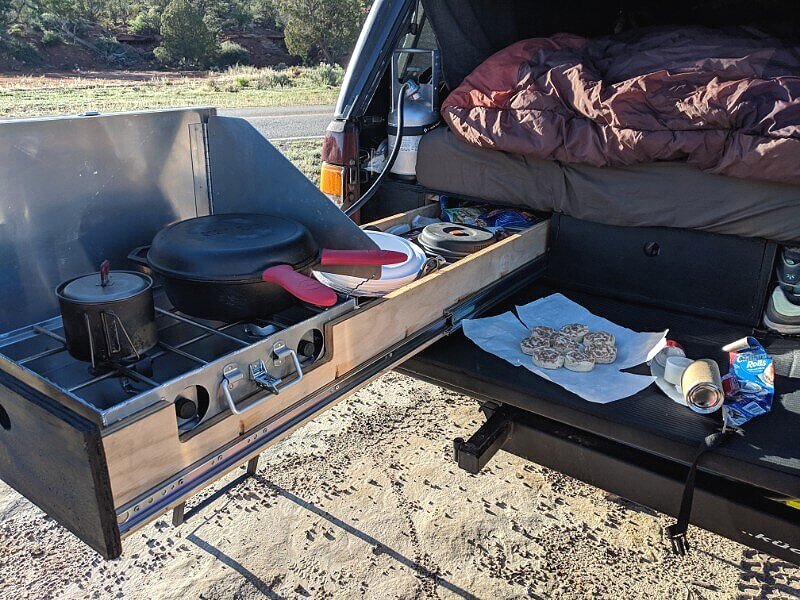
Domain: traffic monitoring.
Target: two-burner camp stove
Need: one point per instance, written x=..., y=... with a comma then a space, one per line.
x=203, y=368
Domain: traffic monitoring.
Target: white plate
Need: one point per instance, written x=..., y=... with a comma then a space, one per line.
x=392, y=276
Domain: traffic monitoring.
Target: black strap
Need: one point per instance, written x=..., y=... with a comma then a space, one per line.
x=677, y=531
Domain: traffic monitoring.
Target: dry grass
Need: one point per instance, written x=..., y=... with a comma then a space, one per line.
x=305, y=154
x=33, y=96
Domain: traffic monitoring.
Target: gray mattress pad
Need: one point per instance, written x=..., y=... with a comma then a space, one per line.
x=662, y=194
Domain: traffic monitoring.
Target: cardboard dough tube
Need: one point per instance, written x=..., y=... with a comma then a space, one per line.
x=702, y=386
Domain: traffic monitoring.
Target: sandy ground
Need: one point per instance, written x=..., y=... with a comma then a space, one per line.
x=364, y=502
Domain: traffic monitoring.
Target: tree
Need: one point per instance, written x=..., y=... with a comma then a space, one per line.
x=264, y=13
x=5, y=9
x=327, y=26
x=185, y=38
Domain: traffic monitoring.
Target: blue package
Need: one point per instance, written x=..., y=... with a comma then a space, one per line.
x=444, y=204
x=750, y=383
x=508, y=219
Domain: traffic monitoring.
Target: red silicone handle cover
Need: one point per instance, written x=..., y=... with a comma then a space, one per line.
x=361, y=257
x=301, y=287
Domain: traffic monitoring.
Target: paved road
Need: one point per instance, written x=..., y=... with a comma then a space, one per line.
x=282, y=122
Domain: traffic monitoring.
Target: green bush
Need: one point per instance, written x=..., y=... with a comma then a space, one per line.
x=225, y=15
x=325, y=74
x=185, y=38
x=115, y=52
x=20, y=51
x=272, y=79
x=5, y=8
x=321, y=27
x=230, y=53
x=162, y=55
x=17, y=30
x=265, y=13
x=51, y=38
x=49, y=21
x=147, y=22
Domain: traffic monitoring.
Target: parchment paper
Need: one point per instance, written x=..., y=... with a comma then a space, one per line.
x=502, y=334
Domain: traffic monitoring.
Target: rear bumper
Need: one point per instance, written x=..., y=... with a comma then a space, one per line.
x=735, y=510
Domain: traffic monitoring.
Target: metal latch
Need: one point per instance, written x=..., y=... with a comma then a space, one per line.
x=231, y=376
x=262, y=378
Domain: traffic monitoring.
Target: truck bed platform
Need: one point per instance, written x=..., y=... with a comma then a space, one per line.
x=766, y=456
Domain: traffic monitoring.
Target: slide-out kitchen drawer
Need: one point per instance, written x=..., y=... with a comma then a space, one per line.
x=142, y=466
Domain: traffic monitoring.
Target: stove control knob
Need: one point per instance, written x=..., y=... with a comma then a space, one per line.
x=185, y=408
x=306, y=349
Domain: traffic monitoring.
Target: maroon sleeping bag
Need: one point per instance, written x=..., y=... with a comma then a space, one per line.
x=729, y=104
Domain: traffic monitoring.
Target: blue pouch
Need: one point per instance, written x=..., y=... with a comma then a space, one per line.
x=750, y=383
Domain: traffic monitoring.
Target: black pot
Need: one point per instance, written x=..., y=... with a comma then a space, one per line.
x=108, y=316
x=453, y=241
x=239, y=267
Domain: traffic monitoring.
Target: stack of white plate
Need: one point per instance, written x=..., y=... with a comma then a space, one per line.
x=392, y=276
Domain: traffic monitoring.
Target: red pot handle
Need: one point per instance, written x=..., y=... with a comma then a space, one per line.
x=361, y=257
x=301, y=287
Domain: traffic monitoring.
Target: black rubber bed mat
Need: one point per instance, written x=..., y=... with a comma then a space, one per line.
x=767, y=455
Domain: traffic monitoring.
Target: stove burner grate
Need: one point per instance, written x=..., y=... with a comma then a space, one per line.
x=197, y=344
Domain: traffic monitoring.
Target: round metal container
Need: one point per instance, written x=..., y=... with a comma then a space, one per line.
x=108, y=324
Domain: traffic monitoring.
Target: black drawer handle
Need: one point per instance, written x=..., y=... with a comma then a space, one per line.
x=652, y=249
x=5, y=420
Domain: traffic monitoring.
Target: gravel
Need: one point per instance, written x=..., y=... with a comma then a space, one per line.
x=364, y=501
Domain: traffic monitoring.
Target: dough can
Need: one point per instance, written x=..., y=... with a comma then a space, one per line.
x=701, y=384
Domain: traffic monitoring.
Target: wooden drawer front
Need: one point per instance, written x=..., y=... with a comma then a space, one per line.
x=148, y=452
x=54, y=457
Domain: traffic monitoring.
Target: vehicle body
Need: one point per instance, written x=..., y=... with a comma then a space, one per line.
x=628, y=451
x=125, y=460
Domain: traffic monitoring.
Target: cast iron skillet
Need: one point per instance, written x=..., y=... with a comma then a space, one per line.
x=242, y=266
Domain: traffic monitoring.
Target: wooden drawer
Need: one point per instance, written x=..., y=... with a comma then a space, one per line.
x=148, y=453
x=148, y=467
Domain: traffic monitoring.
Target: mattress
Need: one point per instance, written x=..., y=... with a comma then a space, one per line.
x=661, y=194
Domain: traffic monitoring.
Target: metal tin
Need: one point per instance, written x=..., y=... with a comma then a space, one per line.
x=701, y=383
x=116, y=326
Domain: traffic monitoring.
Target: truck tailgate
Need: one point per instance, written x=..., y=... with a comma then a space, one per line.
x=766, y=456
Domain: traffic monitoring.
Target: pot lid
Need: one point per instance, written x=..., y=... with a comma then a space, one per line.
x=121, y=285
x=228, y=247
x=455, y=238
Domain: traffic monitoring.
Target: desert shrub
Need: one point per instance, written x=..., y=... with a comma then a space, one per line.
x=321, y=27
x=20, y=51
x=265, y=13
x=51, y=38
x=185, y=38
x=115, y=52
x=269, y=78
x=230, y=53
x=325, y=74
x=5, y=14
x=147, y=22
x=49, y=21
x=224, y=15
x=17, y=30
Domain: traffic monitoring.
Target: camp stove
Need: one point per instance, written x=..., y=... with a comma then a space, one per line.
x=204, y=368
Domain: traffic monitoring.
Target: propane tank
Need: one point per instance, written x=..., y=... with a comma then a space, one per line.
x=420, y=112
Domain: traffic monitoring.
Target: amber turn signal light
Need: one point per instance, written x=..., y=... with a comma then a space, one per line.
x=331, y=182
